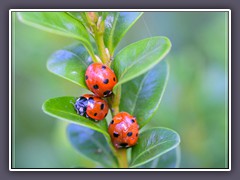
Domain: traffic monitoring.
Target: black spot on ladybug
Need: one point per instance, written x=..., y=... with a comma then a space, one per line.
x=95, y=86
x=137, y=134
x=105, y=81
x=115, y=134
x=133, y=120
x=86, y=77
x=114, y=79
x=102, y=106
x=106, y=93
x=123, y=144
x=91, y=100
x=95, y=114
x=103, y=67
x=112, y=121
x=129, y=134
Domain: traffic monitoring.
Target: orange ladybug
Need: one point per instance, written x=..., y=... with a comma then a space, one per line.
x=100, y=79
x=123, y=130
x=91, y=106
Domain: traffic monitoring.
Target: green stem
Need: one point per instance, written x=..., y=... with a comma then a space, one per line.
x=98, y=27
x=121, y=154
x=122, y=158
x=101, y=47
x=114, y=100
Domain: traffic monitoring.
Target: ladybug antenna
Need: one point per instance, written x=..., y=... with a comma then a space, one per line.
x=75, y=98
x=73, y=103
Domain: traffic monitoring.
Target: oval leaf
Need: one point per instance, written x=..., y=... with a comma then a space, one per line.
x=58, y=22
x=139, y=57
x=153, y=143
x=63, y=108
x=70, y=63
x=170, y=159
x=92, y=144
x=149, y=88
x=116, y=26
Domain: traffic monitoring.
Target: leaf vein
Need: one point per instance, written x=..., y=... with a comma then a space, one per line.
x=143, y=152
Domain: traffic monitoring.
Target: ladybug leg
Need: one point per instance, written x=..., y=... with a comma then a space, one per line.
x=76, y=109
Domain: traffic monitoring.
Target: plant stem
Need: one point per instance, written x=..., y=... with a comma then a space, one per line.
x=98, y=26
x=114, y=100
x=114, y=105
x=101, y=47
x=122, y=158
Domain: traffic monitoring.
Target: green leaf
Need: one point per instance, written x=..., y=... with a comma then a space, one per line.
x=80, y=16
x=63, y=108
x=170, y=159
x=70, y=63
x=141, y=96
x=92, y=144
x=116, y=26
x=59, y=23
x=153, y=143
x=139, y=57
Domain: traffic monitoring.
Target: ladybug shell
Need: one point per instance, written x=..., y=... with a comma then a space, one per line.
x=91, y=106
x=100, y=79
x=123, y=130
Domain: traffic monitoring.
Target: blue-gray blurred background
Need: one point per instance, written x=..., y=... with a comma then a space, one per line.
x=194, y=104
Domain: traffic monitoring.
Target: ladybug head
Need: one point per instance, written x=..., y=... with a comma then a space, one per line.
x=81, y=105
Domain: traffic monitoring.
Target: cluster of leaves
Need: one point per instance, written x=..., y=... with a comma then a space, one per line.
x=142, y=76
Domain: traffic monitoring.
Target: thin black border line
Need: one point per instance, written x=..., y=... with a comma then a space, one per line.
x=121, y=169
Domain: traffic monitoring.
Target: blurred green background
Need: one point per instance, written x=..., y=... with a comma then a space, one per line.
x=194, y=104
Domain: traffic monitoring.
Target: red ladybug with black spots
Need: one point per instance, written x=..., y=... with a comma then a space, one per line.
x=123, y=130
x=100, y=79
x=91, y=106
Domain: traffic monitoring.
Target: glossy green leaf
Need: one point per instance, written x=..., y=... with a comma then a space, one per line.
x=58, y=22
x=139, y=57
x=63, y=108
x=92, y=144
x=141, y=96
x=80, y=16
x=153, y=143
x=70, y=63
x=116, y=26
x=170, y=159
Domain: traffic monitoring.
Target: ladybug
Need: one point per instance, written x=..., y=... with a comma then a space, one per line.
x=123, y=130
x=100, y=79
x=91, y=106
